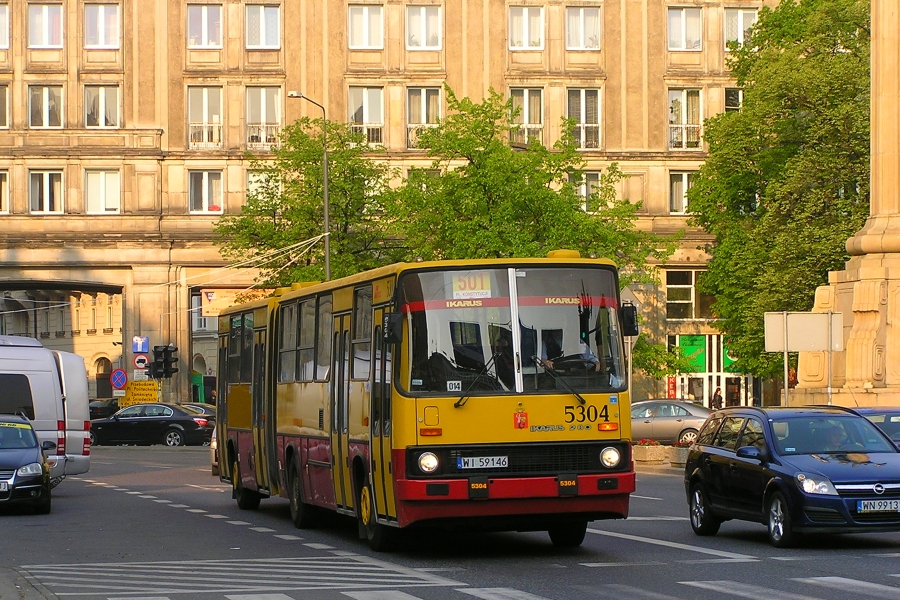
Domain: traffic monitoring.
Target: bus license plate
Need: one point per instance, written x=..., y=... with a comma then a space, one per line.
x=482, y=462
x=866, y=506
x=4, y=486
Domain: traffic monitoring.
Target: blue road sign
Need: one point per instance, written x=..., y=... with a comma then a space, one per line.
x=140, y=344
x=118, y=379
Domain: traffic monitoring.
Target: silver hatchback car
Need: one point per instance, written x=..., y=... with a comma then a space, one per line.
x=667, y=420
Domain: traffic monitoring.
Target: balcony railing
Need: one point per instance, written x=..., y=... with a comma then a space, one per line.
x=262, y=136
x=587, y=135
x=684, y=137
x=413, y=132
x=206, y=136
x=527, y=132
x=373, y=132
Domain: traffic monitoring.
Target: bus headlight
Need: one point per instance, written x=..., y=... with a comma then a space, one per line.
x=428, y=462
x=610, y=457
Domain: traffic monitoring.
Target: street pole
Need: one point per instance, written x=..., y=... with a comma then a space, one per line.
x=294, y=94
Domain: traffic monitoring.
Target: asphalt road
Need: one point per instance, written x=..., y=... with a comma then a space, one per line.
x=152, y=523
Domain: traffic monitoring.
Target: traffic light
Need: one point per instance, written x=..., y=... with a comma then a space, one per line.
x=169, y=361
x=157, y=367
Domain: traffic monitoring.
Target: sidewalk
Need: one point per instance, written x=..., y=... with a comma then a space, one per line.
x=13, y=586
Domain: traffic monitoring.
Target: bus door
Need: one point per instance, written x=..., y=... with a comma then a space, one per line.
x=340, y=421
x=380, y=423
x=258, y=410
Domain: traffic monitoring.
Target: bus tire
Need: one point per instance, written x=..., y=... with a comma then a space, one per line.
x=568, y=535
x=302, y=514
x=246, y=499
x=381, y=538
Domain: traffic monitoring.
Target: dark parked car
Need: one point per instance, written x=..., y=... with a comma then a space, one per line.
x=795, y=469
x=885, y=418
x=104, y=407
x=153, y=423
x=206, y=409
x=667, y=421
x=24, y=472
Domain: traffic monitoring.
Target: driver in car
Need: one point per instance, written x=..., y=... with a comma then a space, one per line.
x=585, y=353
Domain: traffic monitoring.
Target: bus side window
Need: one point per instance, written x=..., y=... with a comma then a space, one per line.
x=324, y=325
x=377, y=390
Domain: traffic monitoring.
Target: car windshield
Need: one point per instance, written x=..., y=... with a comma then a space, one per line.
x=823, y=434
x=888, y=422
x=498, y=330
x=16, y=436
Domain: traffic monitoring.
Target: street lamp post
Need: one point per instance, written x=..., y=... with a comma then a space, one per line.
x=295, y=94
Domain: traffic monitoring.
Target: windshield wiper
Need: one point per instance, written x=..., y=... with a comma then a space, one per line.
x=558, y=378
x=465, y=397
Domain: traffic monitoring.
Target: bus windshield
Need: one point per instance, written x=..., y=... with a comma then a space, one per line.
x=462, y=338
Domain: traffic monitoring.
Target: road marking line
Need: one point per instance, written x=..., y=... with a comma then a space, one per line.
x=381, y=595
x=262, y=529
x=196, y=510
x=120, y=490
x=621, y=564
x=745, y=590
x=319, y=546
x=259, y=597
x=146, y=496
x=500, y=594
x=132, y=493
x=288, y=537
x=238, y=523
x=163, y=501
x=854, y=586
x=216, y=516
x=660, y=518
x=627, y=591
x=179, y=506
x=645, y=497
x=646, y=540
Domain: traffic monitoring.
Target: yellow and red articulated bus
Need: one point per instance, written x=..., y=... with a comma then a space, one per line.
x=484, y=394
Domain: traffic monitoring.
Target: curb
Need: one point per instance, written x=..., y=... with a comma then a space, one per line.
x=663, y=469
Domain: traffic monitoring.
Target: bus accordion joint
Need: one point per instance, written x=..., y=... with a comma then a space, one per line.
x=431, y=431
x=608, y=426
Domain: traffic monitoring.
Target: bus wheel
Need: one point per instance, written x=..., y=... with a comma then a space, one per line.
x=302, y=514
x=246, y=499
x=381, y=537
x=568, y=535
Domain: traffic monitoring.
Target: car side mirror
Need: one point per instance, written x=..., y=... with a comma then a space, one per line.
x=751, y=453
x=48, y=445
x=392, y=326
x=629, y=320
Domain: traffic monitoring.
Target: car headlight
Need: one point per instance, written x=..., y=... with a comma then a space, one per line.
x=428, y=462
x=610, y=457
x=815, y=484
x=32, y=469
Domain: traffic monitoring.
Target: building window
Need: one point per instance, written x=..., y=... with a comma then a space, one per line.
x=4, y=26
x=684, y=119
x=101, y=106
x=102, y=192
x=526, y=28
x=734, y=99
x=263, y=117
x=4, y=191
x=584, y=108
x=685, y=28
x=45, y=106
x=367, y=113
x=683, y=300
x=101, y=26
x=4, y=106
x=366, y=27
x=206, y=191
x=45, y=25
x=528, y=104
x=423, y=109
x=679, y=184
x=263, y=27
x=45, y=192
x=205, y=117
x=582, y=28
x=198, y=321
x=738, y=22
x=423, y=27
x=204, y=26
x=586, y=184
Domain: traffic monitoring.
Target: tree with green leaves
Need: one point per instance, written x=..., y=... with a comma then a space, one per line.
x=787, y=178
x=285, y=206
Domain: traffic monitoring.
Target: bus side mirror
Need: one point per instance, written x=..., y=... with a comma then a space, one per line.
x=392, y=326
x=628, y=317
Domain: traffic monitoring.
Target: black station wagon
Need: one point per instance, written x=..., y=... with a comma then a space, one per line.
x=795, y=469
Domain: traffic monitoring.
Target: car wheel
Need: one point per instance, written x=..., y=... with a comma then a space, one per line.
x=703, y=521
x=246, y=499
x=95, y=441
x=781, y=533
x=688, y=436
x=568, y=535
x=302, y=514
x=174, y=437
x=381, y=538
x=43, y=506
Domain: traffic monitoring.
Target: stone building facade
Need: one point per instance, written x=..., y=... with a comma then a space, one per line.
x=126, y=125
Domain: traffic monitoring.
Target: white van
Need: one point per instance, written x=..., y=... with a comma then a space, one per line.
x=50, y=389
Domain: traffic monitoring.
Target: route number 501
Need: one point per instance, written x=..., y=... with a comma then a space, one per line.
x=580, y=414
